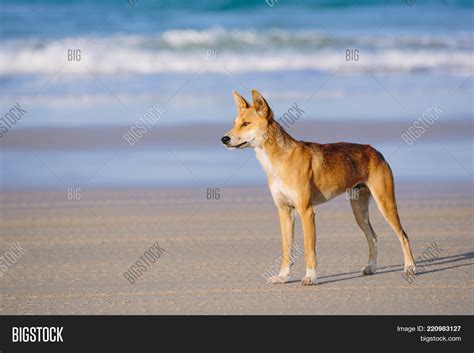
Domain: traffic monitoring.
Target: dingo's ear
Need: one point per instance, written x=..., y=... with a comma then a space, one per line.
x=240, y=102
x=261, y=105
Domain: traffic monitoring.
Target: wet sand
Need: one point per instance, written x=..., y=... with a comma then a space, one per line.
x=205, y=135
x=217, y=251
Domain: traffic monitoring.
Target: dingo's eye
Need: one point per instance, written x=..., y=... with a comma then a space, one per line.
x=245, y=123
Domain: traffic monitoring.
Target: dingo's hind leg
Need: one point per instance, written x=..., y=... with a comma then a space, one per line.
x=382, y=188
x=360, y=207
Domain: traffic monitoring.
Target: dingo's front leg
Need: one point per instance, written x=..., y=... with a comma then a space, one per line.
x=285, y=213
x=307, y=220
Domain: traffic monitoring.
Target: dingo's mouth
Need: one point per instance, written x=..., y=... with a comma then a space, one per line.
x=244, y=144
x=241, y=144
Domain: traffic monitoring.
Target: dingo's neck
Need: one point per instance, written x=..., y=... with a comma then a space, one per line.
x=277, y=143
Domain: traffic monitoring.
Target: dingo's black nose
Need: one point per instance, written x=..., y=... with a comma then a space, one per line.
x=225, y=140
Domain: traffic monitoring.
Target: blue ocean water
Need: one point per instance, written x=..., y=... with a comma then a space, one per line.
x=78, y=64
x=147, y=53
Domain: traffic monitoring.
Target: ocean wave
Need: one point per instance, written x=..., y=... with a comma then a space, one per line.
x=217, y=37
x=307, y=39
x=219, y=50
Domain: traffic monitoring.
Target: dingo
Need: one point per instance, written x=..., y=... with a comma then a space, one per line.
x=304, y=174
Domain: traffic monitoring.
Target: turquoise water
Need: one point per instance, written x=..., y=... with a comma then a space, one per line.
x=188, y=58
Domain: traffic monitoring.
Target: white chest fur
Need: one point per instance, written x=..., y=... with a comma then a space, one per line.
x=280, y=191
x=264, y=161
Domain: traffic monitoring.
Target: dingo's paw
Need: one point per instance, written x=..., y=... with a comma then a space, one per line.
x=410, y=270
x=278, y=279
x=308, y=281
x=369, y=270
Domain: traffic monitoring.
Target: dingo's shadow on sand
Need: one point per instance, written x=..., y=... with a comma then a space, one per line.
x=424, y=267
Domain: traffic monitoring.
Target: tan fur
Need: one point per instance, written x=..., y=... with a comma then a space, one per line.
x=304, y=174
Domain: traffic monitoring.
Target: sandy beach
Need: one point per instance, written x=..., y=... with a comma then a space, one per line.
x=217, y=251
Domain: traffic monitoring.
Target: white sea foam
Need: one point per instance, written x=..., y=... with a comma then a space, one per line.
x=181, y=51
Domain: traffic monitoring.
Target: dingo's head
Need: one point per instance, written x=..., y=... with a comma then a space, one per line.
x=251, y=125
